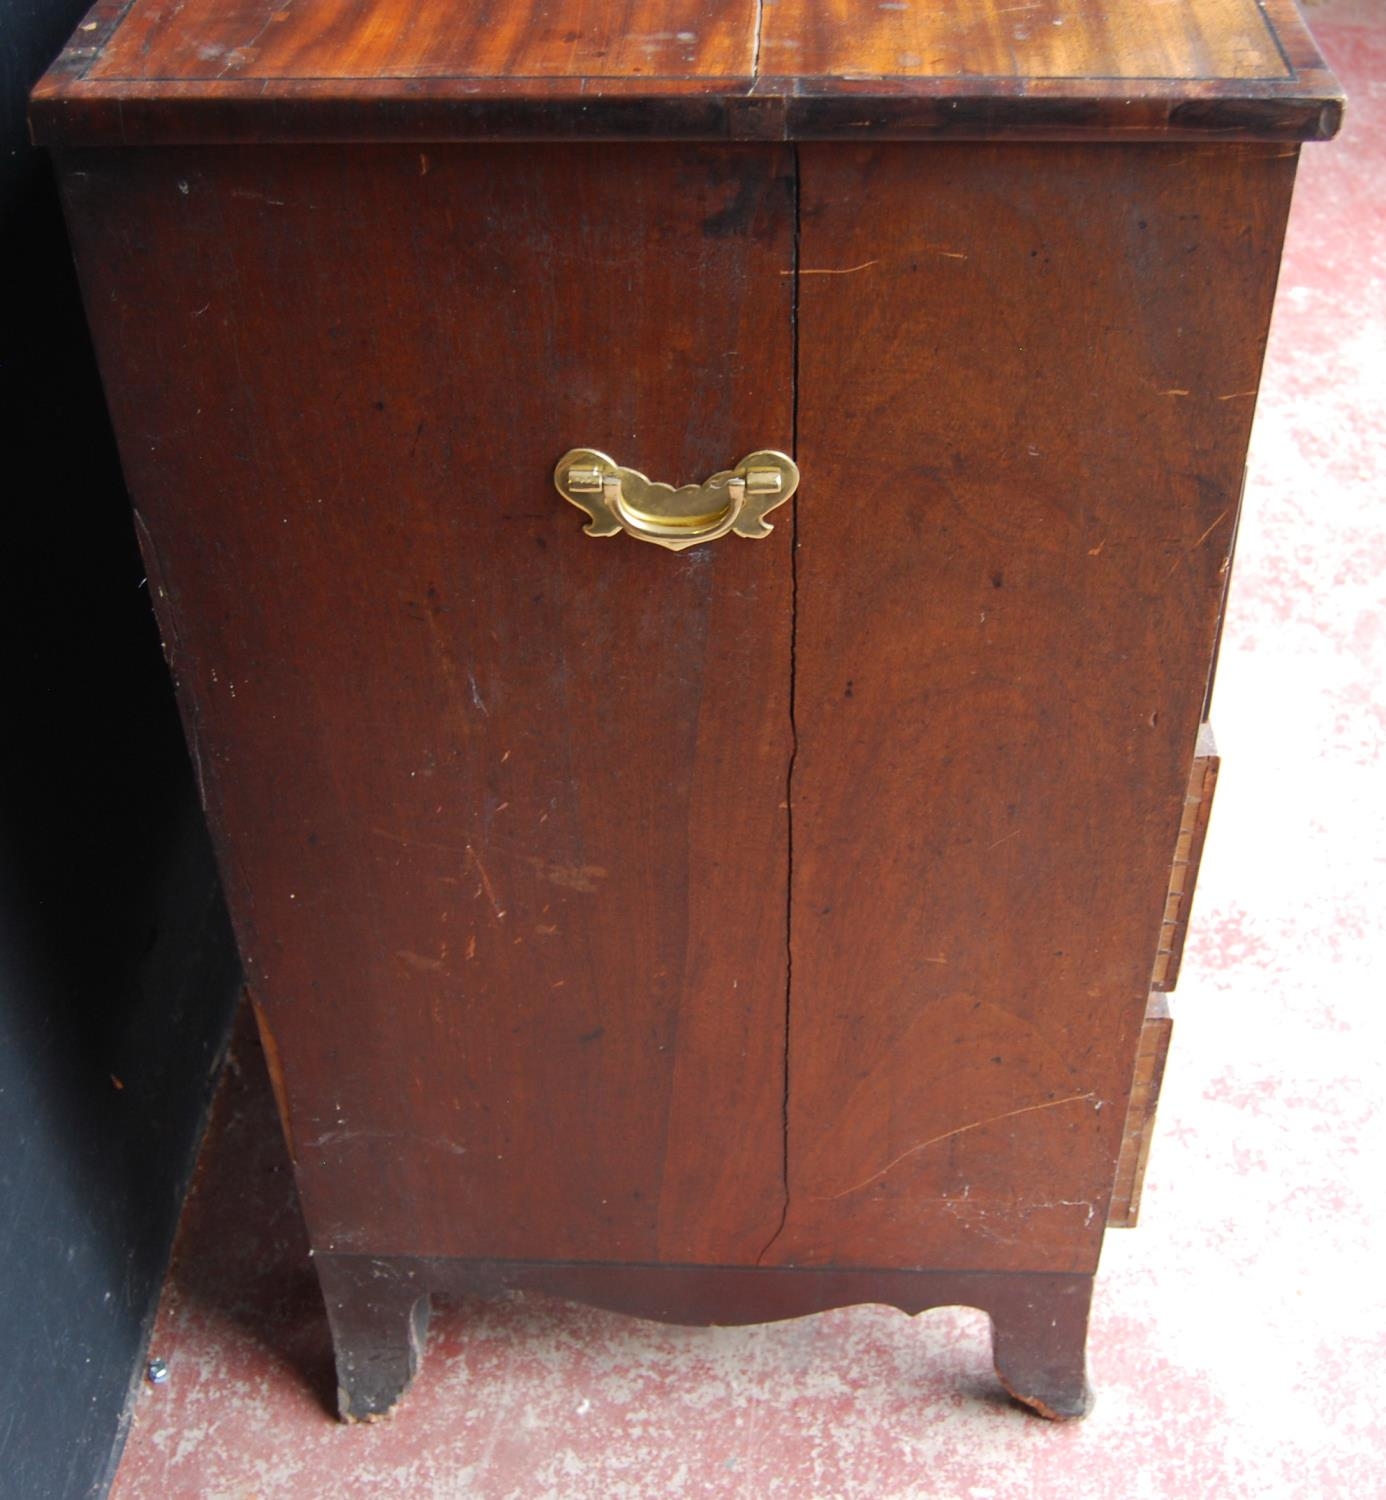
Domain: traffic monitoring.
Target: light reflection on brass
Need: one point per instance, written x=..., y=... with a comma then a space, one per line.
x=736, y=500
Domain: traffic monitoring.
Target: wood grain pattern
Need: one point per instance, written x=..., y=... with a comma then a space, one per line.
x=349, y=39
x=1151, y=1055
x=155, y=72
x=1026, y=384
x=500, y=807
x=1086, y=39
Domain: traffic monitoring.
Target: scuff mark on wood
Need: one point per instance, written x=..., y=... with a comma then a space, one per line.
x=347, y=1136
x=275, y=1068
x=572, y=877
x=419, y=961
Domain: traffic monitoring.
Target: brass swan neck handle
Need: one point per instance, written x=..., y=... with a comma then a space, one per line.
x=618, y=499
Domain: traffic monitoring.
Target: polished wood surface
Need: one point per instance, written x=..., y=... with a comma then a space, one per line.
x=362, y=39
x=501, y=808
x=355, y=39
x=151, y=71
x=1074, y=39
x=1026, y=379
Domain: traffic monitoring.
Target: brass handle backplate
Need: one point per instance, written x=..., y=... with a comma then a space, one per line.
x=620, y=499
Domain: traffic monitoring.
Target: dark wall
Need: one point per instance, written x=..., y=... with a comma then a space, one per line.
x=116, y=971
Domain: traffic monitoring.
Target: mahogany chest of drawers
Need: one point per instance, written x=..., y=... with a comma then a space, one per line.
x=742, y=900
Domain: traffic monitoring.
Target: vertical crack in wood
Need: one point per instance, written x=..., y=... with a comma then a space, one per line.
x=793, y=722
x=755, y=69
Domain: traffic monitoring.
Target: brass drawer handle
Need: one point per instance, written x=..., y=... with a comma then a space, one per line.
x=620, y=499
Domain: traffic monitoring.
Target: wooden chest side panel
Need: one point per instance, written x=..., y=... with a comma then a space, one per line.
x=501, y=806
x=1026, y=384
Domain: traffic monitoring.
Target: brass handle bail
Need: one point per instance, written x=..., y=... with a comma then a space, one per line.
x=620, y=499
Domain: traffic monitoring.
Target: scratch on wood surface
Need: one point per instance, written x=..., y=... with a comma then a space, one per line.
x=485, y=882
x=275, y=1068
x=347, y=1135
x=973, y=1218
x=1174, y=391
x=833, y=270
x=235, y=56
x=1010, y=1114
x=1004, y=839
x=257, y=197
x=405, y=843
x=1179, y=561
x=1236, y=395
x=195, y=746
x=1209, y=532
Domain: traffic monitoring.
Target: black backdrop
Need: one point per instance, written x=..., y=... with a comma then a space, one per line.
x=116, y=971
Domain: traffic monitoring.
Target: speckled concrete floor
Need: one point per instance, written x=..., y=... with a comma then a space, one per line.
x=1238, y=1334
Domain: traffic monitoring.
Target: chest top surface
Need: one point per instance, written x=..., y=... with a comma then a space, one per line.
x=144, y=71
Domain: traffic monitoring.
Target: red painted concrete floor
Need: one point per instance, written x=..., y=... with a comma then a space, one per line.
x=1239, y=1335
